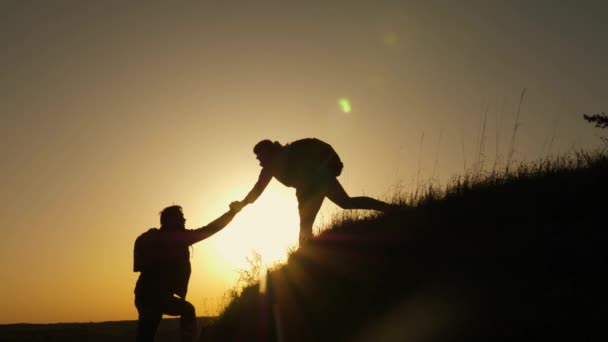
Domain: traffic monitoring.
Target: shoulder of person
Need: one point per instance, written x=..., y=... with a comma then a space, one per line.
x=148, y=236
x=149, y=232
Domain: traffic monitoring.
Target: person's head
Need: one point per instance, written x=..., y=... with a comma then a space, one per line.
x=266, y=150
x=172, y=218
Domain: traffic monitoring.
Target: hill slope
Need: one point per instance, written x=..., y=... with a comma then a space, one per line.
x=520, y=257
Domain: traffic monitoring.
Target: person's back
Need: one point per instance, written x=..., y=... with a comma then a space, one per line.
x=163, y=259
x=306, y=161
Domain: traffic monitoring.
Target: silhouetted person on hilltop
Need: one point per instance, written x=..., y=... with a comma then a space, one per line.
x=163, y=258
x=311, y=166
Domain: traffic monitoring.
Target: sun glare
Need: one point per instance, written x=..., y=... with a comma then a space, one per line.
x=268, y=227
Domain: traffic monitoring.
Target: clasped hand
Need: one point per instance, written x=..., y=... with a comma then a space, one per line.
x=237, y=206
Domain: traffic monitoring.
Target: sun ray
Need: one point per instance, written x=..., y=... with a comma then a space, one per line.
x=268, y=227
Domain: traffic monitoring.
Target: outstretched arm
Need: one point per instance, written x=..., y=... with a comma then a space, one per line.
x=218, y=224
x=263, y=180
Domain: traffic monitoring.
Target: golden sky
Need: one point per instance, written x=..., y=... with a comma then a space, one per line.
x=111, y=112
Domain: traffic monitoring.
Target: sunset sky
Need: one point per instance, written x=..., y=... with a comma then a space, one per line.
x=111, y=112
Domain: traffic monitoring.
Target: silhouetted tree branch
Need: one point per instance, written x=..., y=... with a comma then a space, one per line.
x=600, y=120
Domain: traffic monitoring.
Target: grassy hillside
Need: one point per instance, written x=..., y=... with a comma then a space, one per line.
x=515, y=256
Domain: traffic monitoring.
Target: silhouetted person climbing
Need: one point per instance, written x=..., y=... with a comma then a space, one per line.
x=163, y=258
x=311, y=166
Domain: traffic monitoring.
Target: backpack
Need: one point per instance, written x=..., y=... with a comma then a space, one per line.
x=144, y=250
x=314, y=155
x=167, y=258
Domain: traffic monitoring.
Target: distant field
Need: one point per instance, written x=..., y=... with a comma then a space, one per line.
x=90, y=332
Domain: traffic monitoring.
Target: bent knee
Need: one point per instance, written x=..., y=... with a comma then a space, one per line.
x=188, y=309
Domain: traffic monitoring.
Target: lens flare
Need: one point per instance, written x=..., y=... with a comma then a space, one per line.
x=344, y=105
x=391, y=39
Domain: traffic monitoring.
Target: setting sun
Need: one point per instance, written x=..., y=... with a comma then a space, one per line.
x=268, y=227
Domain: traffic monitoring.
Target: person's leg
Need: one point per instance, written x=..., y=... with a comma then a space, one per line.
x=148, y=321
x=187, y=320
x=309, y=203
x=336, y=193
